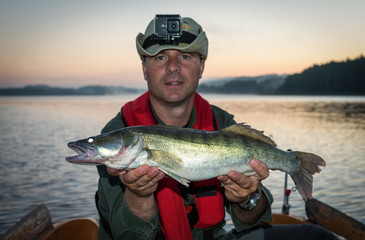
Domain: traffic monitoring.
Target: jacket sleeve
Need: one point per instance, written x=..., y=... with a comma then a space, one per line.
x=265, y=217
x=116, y=220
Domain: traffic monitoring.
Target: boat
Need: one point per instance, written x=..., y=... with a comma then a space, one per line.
x=38, y=225
x=80, y=228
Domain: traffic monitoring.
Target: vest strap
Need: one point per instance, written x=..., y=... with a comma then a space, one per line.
x=208, y=193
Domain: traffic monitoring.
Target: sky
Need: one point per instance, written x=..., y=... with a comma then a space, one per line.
x=85, y=42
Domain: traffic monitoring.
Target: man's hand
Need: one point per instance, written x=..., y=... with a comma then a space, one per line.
x=239, y=187
x=140, y=184
x=142, y=181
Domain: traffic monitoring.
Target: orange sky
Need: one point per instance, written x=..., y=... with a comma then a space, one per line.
x=75, y=43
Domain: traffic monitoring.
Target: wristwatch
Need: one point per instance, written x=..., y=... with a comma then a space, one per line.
x=251, y=203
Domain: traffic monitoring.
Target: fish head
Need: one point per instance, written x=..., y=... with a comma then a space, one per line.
x=113, y=148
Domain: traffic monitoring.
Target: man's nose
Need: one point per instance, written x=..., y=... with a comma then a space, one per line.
x=173, y=65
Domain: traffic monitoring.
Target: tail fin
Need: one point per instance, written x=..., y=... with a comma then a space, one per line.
x=309, y=165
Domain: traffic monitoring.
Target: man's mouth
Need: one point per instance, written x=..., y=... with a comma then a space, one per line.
x=174, y=83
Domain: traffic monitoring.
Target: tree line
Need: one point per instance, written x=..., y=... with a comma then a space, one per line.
x=334, y=78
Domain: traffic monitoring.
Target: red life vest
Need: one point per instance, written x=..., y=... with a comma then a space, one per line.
x=209, y=204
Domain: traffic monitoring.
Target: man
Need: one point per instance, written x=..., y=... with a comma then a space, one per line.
x=143, y=203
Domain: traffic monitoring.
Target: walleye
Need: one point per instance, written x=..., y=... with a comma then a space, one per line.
x=193, y=155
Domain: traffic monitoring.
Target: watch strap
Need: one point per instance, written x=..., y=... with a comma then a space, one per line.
x=251, y=203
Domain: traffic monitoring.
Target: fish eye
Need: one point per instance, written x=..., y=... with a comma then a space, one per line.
x=90, y=140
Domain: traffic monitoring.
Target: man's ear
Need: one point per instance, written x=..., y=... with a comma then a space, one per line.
x=144, y=69
x=202, y=66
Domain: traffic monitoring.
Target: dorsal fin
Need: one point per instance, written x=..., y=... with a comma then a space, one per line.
x=247, y=131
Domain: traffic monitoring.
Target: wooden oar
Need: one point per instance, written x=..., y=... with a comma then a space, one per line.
x=334, y=220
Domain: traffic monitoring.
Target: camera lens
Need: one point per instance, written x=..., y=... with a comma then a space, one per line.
x=173, y=26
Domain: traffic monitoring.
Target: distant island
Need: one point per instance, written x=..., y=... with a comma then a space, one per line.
x=45, y=90
x=333, y=78
x=266, y=84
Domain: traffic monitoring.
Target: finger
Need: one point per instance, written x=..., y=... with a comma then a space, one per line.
x=239, y=181
x=115, y=172
x=159, y=177
x=150, y=185
x=148, y=177
x=239, y=186
x=237, y=177
x=230, y=179
x=134, y=174
x=226, y=182
x=137, y=185
x=260, y=168
x=222, y=178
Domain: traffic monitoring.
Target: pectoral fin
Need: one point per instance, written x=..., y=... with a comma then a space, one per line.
x=168, y=162
x=165, y=159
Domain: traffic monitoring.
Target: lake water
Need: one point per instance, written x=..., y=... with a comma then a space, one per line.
x=34, y=132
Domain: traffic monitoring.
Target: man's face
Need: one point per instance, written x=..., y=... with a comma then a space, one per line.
x=173, y=76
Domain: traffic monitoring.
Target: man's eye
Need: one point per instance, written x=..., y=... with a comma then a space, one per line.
x=185, y=56
x=160, y=58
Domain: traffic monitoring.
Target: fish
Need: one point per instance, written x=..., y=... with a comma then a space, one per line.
x=192, y=155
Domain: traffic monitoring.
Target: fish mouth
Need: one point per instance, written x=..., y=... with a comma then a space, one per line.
x=86, y=154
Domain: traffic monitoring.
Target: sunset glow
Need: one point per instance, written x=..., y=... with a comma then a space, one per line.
x=75, y=43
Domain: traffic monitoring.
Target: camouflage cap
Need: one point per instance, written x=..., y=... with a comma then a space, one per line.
x=193, y=39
